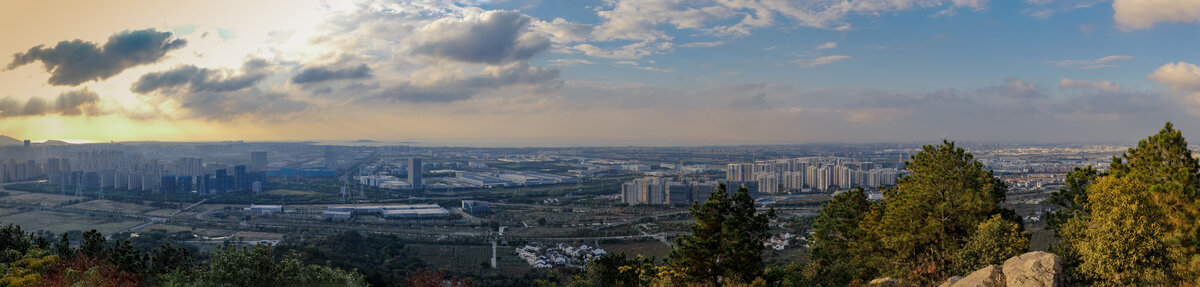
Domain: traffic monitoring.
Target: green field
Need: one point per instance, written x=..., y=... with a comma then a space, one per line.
x=62, y=222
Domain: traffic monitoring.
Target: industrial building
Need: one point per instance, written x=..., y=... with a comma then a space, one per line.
x=264, y=209
x=386, y=211
x=476, y=207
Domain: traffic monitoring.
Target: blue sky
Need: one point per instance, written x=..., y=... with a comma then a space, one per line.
x=609, y=72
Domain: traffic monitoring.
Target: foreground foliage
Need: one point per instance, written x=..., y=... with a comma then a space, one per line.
x=1136, y=224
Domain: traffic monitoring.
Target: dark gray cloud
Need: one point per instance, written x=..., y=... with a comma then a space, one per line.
x=193, y=79
x=493, y=37
x=410, y=93
x=321, y=74
x=71, y=63
x=70, y=103
x=517, y=73
x=219, y=94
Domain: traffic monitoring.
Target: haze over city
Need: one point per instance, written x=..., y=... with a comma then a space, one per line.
x=598, y=73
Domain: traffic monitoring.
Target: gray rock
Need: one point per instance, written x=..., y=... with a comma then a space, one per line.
x=991, y=276
x=1035, y=269
x=950, y=281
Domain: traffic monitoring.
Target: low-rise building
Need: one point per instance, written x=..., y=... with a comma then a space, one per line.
x=264, y=209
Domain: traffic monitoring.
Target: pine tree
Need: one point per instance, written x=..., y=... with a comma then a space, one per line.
x=931, y=212
x=1072, y=198
x=1170, y=180
x=726, y=240
x=93, y=244
x=834, y=245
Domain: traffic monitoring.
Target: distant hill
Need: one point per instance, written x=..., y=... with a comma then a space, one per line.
x=6, y=140
x=54, y=143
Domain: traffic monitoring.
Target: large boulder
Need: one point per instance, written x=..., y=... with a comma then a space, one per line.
x=991, y=276
x=1035, y=269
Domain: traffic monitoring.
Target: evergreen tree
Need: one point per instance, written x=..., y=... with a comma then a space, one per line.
x=1072, y=198
x=62, y=247
x=616, y=270
x=931, y=212
x=93, y=244
x=726, y=240
x=1169, y=180
x=836, y=241
x=167, y=259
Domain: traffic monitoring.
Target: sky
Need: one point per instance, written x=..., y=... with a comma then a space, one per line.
x=601, y=72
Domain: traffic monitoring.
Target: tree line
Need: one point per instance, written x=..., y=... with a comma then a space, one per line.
x=1135, y=224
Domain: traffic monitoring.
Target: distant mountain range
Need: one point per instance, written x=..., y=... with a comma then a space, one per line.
x=54, y=143
x=6, y=140
x=10, y=141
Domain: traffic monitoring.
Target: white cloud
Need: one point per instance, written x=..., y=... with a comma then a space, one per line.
x=1042, y=14
x=642, y=20
x=1046, y=8
x=1066, y=83
x=631, y=51
x=1143, y=14
x=570, y=62
x=1086, y=29
x=562, y=31
x=1179, y=76
x=703, y=44
x=827, y=45
x=821, y=61
x=653, y=69
x=1088, y=64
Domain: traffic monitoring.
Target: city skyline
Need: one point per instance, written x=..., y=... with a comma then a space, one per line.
x=600, y=73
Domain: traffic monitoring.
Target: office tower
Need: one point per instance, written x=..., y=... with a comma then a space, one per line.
x=240, y=180
x=53, y=165
x=414, y=173
x=258, y=160
x=679, y=193
x=35, y=170
x=27, y=143
x=220, y=183
x=330, y=158
x=184, y=183
x=168, y=183
x=203, y=184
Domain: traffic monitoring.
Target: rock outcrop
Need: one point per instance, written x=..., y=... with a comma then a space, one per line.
x=1033, y=269
x=990, y=276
